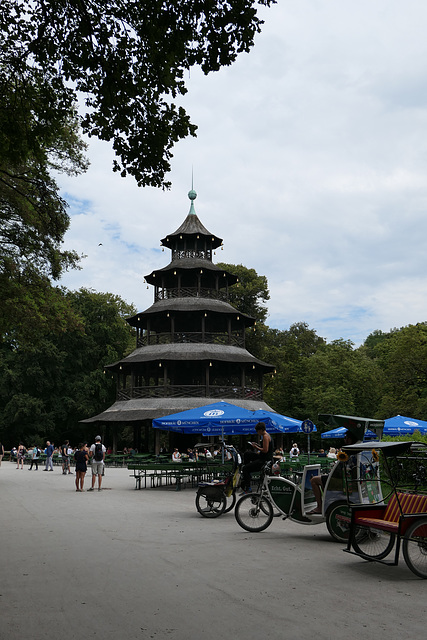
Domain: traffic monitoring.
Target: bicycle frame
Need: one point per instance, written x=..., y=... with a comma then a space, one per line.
x=292, y=500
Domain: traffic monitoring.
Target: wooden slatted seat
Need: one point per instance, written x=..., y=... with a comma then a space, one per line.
x=393, y=517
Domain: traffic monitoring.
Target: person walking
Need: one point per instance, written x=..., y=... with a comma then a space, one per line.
x=1, y=452
x=20, y=455
x=97, y=455
x=34, y=452
x=49, y=453
x=65, y=458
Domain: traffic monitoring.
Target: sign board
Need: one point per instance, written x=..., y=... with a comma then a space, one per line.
x=307, y=426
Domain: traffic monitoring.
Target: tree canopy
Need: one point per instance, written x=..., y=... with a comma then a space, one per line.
x=47, y=386
x=127, y=60
x=38, y=136
x=250, y=293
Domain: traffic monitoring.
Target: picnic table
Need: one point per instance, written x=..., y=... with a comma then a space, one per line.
x=157, y=473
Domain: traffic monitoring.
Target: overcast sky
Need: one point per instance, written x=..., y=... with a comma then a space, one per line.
x=310, y=162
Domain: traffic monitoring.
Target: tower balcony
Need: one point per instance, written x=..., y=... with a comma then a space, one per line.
x=190, y=391
x=189, y=292
x=191, y=337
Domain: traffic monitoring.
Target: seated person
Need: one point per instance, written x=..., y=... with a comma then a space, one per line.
x=176, y=456
x=321, y=454
x=294, y=452
x=318, y=482
x=332, y=454
x=255, y=460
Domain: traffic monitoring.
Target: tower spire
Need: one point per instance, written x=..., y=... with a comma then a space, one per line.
x=192, y=195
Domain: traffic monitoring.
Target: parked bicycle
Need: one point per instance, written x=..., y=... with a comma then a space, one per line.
x=219, y=496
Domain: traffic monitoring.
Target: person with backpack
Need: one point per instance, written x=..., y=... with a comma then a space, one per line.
x=97, y=455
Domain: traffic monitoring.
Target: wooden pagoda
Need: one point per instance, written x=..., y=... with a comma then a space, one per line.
x=190, y=345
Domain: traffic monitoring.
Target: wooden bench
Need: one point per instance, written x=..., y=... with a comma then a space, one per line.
x=394, y=517
x=157, y=473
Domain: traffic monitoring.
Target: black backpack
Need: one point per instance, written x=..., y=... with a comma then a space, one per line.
x=98, y=452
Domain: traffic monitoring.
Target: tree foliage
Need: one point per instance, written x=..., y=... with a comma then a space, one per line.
x=250, y=293
x=38, y=136
x=402, y=355
x=48, y=386
x=128, y=60
x=290, y=351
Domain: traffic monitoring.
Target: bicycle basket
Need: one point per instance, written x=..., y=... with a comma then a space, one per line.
x=214, y=490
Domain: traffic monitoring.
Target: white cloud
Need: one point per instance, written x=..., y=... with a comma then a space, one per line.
x=310, y=162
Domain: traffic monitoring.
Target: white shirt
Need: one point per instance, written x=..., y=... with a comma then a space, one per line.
x=92, y=449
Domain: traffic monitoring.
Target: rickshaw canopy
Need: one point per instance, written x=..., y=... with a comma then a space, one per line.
x=387, y=448
x=355, y=424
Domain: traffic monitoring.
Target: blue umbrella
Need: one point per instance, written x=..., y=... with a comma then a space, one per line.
x=340, y=432
x=213, y=419
x=278, y=423
x=222, y=418
x=400, y=425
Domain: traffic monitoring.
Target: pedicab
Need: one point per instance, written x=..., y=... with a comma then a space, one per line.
x=392, y=511
x=294, y=499
x=219, y=496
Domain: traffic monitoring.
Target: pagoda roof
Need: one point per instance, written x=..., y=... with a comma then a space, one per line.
x=138, y=409
x=191, y=352
x=189, y=305
x=192, y=226
x=194, y=263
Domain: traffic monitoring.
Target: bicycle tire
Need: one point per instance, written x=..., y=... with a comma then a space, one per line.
x=209, y=507
x=337, y=518
x=230, y=502
x=372, y=543
x=414, y=548
x=253, y=512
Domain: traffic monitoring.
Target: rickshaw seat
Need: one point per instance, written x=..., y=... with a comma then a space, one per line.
x=390, y=515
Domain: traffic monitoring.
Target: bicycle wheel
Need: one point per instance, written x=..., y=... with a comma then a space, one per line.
x=372, y=543
x=210, y=507
x=415, y=547
x=338, y=518
x=254, y=512
x=230, y=501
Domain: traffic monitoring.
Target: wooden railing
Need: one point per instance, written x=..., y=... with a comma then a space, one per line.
x=182, y=337
x=189, y=391
x=189, y=292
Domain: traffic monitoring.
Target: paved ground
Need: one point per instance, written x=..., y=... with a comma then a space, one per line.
x=128, y=564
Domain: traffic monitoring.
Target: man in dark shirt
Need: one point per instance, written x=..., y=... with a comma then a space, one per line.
x=49, y=453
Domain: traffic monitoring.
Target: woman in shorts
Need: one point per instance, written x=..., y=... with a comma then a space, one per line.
x=81, y=457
